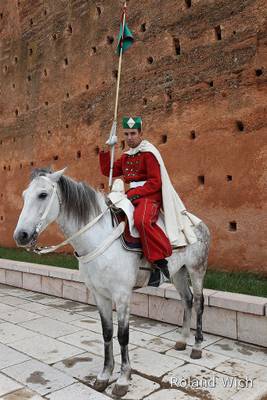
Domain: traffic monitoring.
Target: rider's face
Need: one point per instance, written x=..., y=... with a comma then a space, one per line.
x=133, y=137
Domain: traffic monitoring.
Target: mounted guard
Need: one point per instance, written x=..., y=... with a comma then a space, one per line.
x=150, y=191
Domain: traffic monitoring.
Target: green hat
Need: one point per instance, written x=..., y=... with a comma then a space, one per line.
x=132, y=122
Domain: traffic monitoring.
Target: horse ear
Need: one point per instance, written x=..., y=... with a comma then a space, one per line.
x=55, y=176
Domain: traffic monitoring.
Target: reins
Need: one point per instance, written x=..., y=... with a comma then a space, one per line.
x=45, y=250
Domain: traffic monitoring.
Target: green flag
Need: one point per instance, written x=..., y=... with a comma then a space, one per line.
x=125, y=40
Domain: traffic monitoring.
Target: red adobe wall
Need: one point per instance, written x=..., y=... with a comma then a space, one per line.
x=197, y=75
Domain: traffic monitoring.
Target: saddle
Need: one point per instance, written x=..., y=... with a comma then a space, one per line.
x=123, y=210
x=128, y=241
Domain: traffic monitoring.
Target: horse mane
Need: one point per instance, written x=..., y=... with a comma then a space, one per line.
x=79, y=200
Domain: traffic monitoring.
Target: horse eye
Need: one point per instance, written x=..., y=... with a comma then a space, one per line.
x=42, y=196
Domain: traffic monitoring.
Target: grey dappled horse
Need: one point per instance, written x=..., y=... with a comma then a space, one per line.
x=111, y=276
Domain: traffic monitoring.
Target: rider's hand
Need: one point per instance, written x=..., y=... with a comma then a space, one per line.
x=112, y=141
x=131, y=196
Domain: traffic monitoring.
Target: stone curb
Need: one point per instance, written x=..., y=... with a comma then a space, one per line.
x=232, y=315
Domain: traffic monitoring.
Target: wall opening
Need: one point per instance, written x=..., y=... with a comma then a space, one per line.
x=211, y=83
x=45, y=72
x=30, y=52
x=29, y=78
x=193, y=135
x=177, y=46
x=218, y=32
x=54, y=36
x=96, y=150
x=55, y=158
x=67, y=95
x=93, y=50
x=229, y=178
x=66, y=61
x=87, y=87
x=258, y=72
x=188, y=3
x=69, y=29
x=13, y=85
x=67, y=126
x=16, y=112
x=20, y=166
x=163, y=139
x=150, y=60
x=240, y=126
x=201, y=179
x=98, y=10
x=1, y=15
x=143, y=27
x=110, y=39
x=46, y=103
x=31, y=22
x=115, y=73
x=15, y=60
x=79, y=154
x=145, y=101
x=232, y=226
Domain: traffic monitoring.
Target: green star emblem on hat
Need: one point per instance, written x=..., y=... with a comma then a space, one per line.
x=132, y=122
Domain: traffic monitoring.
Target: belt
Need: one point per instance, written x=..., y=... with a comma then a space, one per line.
x=136, y=184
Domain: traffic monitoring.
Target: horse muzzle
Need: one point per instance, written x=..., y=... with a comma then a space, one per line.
x=25, y=239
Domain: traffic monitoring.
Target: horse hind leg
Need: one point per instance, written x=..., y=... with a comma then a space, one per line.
x=181, y=283
x=123, y=312
x=104, y=306
x=197, y=280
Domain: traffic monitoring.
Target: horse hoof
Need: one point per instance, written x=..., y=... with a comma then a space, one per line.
x=180, y=346
x=120, y=390
x=100, y=386
x=196, y=354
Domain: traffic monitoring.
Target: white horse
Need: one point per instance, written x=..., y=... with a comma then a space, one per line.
x=111, y=276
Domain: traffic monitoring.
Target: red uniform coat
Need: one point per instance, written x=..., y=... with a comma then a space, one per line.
x=147, y=199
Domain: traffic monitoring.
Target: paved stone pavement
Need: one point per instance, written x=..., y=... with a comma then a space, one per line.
x=51, y=348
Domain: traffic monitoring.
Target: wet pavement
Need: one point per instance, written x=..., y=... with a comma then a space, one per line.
x=51, y=348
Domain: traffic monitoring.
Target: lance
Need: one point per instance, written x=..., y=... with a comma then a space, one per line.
x=114, y=125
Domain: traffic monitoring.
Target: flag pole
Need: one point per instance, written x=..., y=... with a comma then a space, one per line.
x=114, y=126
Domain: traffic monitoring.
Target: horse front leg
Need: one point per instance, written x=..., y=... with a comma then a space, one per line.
x=123, y=313
x=104, y=306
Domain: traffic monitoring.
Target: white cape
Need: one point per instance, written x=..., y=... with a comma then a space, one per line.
x=179, y=223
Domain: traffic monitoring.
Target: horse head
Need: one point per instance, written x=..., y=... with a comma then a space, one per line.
x=41, y=207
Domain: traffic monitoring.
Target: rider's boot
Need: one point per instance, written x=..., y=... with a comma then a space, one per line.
x=159, y=266
x=163, y=266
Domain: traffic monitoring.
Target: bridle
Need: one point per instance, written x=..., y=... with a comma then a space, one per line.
x=39, y=226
